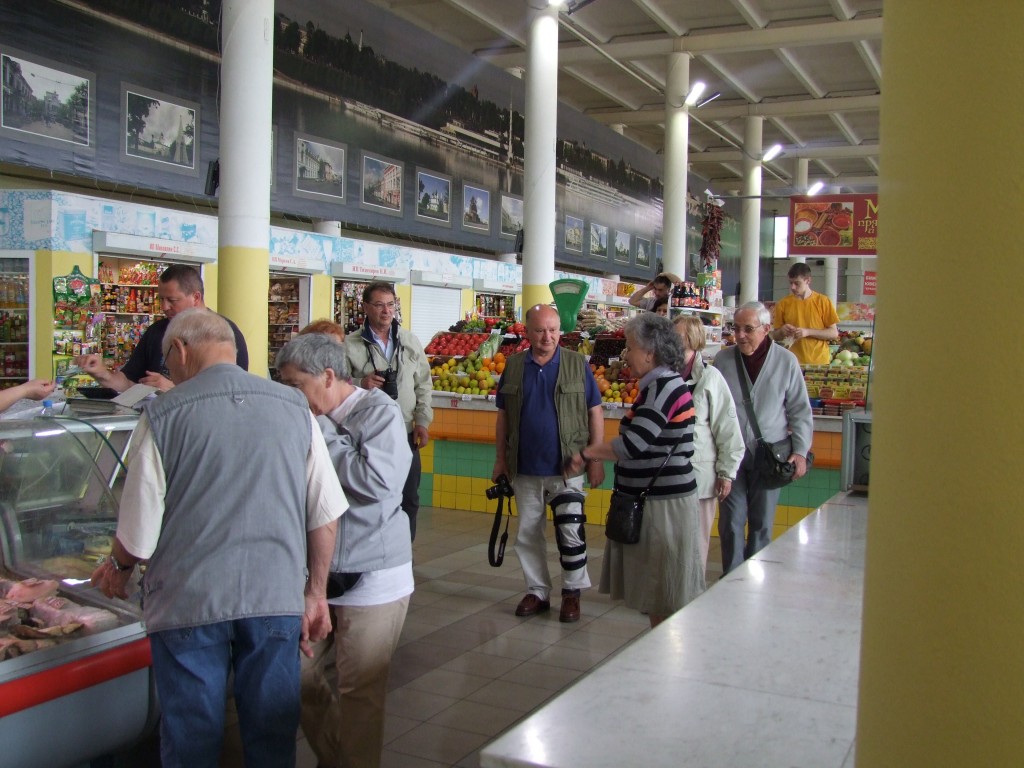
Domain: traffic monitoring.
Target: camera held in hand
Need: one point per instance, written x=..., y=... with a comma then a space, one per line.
x=390, y=385
x=501, y=487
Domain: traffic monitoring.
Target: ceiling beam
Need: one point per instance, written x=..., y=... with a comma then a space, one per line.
x=809, y=152
x=647, y=46
x=661, y=19
x=788, y=108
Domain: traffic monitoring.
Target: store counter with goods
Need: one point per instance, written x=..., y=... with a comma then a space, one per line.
x=75, y=679
x=458, y=461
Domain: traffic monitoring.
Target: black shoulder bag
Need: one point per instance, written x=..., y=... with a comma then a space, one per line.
x=771, y=460
x=626, y=511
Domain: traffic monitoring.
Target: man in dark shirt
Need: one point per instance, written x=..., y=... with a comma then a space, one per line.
x=180, y=288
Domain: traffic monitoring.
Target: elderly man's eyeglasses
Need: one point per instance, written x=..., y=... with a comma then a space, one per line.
x=381, y=306
x=748, y=329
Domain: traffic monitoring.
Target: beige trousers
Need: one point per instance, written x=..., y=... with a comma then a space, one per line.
x=344, y=685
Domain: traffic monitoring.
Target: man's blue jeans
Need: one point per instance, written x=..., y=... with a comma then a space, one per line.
x=191, y=666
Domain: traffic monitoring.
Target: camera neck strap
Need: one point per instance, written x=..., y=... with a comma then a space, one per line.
x=496, y=556
x=372, y=346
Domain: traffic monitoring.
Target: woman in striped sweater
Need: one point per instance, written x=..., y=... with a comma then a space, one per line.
x=663, y=572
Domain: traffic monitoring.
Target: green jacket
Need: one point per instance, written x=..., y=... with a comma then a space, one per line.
x=570, y=405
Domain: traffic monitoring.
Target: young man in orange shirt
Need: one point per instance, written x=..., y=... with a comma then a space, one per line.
x=806, y=317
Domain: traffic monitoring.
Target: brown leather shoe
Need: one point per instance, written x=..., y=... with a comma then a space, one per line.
x=532, y=605
x=570, y=609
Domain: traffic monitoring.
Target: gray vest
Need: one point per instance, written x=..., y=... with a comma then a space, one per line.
x=233, y=539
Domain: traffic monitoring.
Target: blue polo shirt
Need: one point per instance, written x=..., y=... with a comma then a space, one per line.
x=540, y=453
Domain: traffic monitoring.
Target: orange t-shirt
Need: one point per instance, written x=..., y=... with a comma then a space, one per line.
x=815, y=312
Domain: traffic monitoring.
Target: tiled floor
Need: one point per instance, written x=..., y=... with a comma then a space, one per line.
x=468, y=668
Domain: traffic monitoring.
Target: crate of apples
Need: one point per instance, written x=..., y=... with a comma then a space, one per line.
x=616, y=383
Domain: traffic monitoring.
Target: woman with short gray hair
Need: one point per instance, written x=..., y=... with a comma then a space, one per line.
x=371, y=576
x=663, y=572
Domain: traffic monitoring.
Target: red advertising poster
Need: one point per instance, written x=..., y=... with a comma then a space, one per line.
x=870, y=281
x=833, y=225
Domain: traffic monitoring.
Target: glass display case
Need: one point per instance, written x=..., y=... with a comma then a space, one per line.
x=74, y=665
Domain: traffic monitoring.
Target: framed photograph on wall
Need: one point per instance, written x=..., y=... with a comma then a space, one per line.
x=434, y=197
x=623, y=242
x=46, y=102
x=159, y=130
x=643, y=252
x=573, y=233
x=476, y=208
x=598, y=240
x=659, y=262
x=319, y=168
x=382, y=185
x=511, y=216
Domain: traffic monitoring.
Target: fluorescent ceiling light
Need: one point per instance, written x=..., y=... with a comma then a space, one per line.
x=816, y=187
x=695, y=91
x=710, y=98
x=773, y=151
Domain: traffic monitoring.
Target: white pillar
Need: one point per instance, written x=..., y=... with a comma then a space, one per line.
x=677, y=138
x=539, y=160
x=247, y=76
x=800, y=182
x=832, y=278
x=751, y=221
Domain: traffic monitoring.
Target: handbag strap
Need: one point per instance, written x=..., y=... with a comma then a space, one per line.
x=745, y=386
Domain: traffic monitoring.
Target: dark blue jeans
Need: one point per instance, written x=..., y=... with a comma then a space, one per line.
x=191, y=666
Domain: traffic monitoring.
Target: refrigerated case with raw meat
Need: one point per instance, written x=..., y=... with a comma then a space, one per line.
x=68, y=693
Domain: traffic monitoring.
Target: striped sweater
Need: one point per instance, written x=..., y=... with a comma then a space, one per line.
x=661, y=419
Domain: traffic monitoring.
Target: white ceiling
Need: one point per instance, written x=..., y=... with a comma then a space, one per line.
x=811, y=68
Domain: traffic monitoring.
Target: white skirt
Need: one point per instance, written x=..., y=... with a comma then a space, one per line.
x=663, y=571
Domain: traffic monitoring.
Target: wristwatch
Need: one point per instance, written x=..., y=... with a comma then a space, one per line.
x=119, y=567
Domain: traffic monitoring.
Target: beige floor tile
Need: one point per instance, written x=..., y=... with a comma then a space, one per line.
x=511, y=648
x=570, y=658
x=392, y=759
x=595, y=643
x=395, y=726
x=475, y=717
x=537, y=675
x=616, y=628
x=502, y=693
x=452, y=683
x=482, y=664
x=417, y=705
x=438, y=743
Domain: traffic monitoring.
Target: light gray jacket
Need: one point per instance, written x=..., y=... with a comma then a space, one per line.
x=370, y=450
x=779, y=396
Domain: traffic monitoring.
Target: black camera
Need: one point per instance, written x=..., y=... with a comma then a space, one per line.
x=501, y=487
x=390, y=385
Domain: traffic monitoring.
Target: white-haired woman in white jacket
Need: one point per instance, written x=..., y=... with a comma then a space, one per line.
x=717, y=441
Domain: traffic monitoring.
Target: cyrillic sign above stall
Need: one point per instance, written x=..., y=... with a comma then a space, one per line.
x=369, y=272
x=833, y=225
x=152, y=247
x=297, y=264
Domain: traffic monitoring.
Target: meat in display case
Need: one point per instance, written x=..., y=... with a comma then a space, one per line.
x=75, y=679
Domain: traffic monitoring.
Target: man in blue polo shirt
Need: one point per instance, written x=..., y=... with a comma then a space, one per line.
x=549, y=408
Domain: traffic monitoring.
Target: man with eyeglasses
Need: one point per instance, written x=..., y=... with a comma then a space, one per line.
x=781, y=407
x=180, y=288
x=384, y=355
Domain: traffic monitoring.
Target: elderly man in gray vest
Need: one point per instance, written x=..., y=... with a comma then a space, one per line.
x=549, y=408
x=232, y=500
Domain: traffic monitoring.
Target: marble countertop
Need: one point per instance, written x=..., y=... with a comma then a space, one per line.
x=760, y=670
